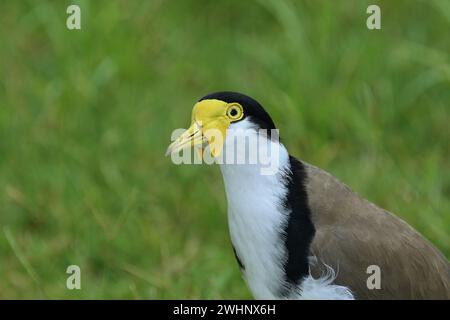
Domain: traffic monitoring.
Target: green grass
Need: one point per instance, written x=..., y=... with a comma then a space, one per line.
x=86, y=116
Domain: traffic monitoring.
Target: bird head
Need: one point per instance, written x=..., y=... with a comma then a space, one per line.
x=215, y=114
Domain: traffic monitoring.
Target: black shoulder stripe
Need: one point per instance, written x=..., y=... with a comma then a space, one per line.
x=299, y=230
x=241, y=266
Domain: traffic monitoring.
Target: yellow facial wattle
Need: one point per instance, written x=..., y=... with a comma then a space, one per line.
x=210, y=121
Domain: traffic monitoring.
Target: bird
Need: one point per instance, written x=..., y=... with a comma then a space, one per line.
x=298, y=232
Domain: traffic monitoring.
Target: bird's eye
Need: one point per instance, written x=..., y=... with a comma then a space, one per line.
x=235, y=112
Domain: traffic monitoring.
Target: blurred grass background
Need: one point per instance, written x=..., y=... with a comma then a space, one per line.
x=85, y=117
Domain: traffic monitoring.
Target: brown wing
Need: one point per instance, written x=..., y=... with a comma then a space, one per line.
x=353, y=234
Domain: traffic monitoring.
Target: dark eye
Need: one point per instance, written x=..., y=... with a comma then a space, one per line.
x=235, y=112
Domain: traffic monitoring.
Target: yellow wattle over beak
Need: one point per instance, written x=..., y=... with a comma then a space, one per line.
x=209, y=124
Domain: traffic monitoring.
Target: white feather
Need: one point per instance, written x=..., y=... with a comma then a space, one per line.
x=255, y=217
x=322, y=288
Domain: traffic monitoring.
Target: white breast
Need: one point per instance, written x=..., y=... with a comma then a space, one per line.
x=255, y=219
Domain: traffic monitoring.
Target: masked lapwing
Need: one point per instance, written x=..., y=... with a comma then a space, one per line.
x=296, y=231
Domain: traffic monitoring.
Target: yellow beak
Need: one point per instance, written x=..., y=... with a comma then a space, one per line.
x=209, y=124
x=191, y=137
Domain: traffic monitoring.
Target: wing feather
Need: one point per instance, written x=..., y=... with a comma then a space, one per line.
x=353, y=234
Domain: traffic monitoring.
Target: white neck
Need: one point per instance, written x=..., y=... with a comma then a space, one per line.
x=257, y=218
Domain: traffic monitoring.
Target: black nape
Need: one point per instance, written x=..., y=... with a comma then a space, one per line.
x=252, y=109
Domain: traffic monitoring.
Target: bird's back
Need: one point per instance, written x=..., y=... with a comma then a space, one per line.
x=353, y=234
